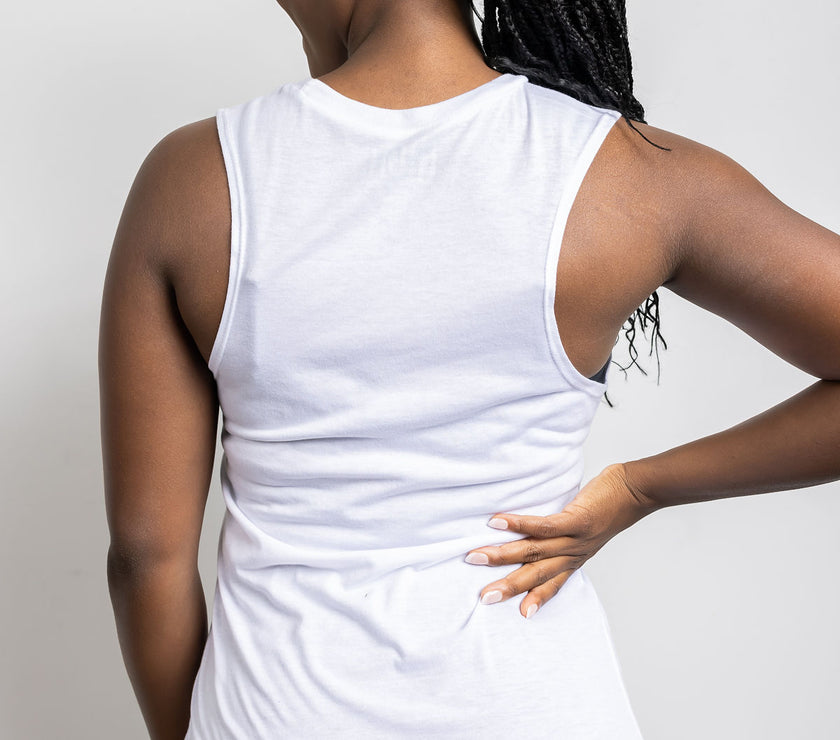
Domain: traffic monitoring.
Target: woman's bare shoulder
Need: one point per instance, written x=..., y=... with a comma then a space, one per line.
x=182, y=188
x=737, y=250
x=673, y=181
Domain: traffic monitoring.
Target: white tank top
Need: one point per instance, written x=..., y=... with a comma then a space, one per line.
x=390, y=375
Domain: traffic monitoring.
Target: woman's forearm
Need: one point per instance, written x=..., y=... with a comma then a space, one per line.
x=794, y=444
x=161, y=617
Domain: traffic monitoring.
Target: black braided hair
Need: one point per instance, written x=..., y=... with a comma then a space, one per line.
x=578, y=47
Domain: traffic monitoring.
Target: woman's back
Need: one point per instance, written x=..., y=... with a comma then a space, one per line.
x=378, y=308
x=390, y=375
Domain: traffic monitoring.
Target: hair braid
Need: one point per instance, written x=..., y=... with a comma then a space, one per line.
x=579, y=47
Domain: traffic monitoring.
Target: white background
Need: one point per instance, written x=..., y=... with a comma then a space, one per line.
x=724, y=614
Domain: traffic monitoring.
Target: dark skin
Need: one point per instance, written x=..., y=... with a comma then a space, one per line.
x=690, y=219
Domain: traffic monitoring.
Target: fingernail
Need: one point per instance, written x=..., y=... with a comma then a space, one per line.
x=477, y=558
x=497, y=523
x=529, y=612
x=491, y=597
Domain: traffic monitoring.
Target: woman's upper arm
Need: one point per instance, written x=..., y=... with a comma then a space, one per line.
x=158, y=403
x=746, y=256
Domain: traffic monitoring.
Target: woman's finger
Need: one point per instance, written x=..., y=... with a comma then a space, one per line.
x=528, y=577
x=538, y=595
x=525, y=550
x=553, y=525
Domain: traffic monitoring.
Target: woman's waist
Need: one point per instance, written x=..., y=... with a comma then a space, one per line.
x=371, y=525
x=364, y=543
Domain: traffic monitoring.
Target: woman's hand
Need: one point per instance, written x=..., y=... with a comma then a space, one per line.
x=558, y=544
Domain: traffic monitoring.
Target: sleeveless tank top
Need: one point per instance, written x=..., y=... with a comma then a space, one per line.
x=390, y=375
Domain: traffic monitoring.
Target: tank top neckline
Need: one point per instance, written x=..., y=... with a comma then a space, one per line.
x=373, y=116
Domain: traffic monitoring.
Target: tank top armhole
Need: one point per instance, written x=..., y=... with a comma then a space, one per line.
x=567, y=198
x=236, y=244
